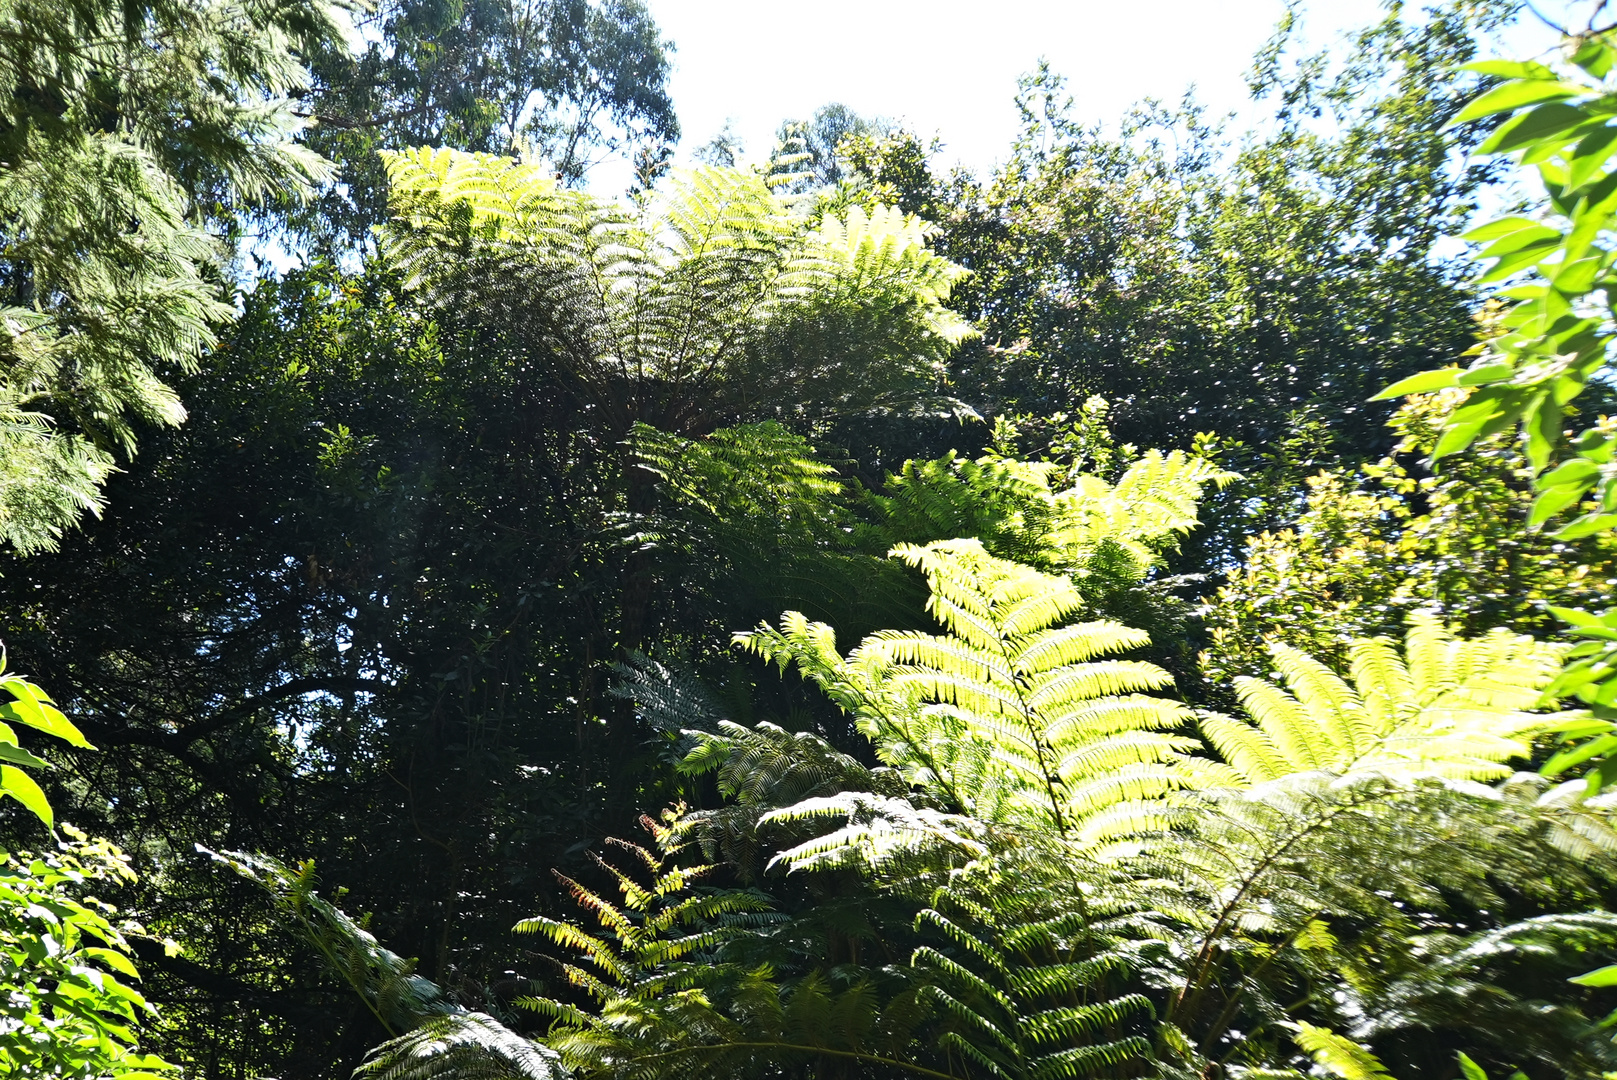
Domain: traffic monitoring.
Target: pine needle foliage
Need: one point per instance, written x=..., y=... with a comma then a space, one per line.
x=1446, y=707
x=1008, y=714
x=711, y=301
x=125, y=128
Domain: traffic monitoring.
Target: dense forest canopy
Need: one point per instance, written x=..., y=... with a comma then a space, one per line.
x=1141, y=610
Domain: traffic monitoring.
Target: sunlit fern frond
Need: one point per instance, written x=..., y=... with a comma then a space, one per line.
x=1062, y=724
x=461, y=1046
x=715, y=300
x=660, y=922
x=492, y=195
x=743, y=471
x=1008, y=712
x=1446, y=707
x=1155, y=500
x=906, y=849
x=1336, y=1055
x=673, y=1001
x=764, y=768
x=1017, y=513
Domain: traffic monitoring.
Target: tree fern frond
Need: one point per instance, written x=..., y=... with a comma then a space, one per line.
x=1448, y=707
x=1006, y=712
x=1337, y=1055
x=461, y=1046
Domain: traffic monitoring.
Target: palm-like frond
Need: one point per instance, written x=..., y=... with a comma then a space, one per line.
x=461, y=1046
x=1258, y=875
x=669, y=700
x=1017, y=510
x=1446, y=707
x=1007, y=714
x=752, y=514
x=716, y=299
x=1338, y=1055
x=387, y=983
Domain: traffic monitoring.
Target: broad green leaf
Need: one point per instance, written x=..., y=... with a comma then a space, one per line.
x=1593, y=56
x=1579, y=754
x=1578, y=277
x=1501, y=227
x=1606, y=976
x=1545, y=122
x=1587, y=525
x=1590, y=154
x=1538, y=237
x=20, y=786
x=28, y=709
x=1576, y=471
x=1515, y=261
x=1554, y=500
x=1511, y=69
x=1470, y=1070
x=1423, y=383
x=16, y=755
x=113, y=959
x=1596, y=445
x=1584, y=618
x=1488, y=373
x=1514, y=95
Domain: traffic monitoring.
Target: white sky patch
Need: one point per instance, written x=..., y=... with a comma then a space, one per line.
x=950, y=68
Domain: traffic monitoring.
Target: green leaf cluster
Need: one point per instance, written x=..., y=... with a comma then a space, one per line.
x=127, y=129
x=67, y=1004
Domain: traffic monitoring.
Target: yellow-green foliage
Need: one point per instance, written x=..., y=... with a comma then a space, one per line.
x=713, y=297
x=1373, y=544
x=1446, y=707
x=1338, y=1056
x=1008, y=712
x=1037, y=513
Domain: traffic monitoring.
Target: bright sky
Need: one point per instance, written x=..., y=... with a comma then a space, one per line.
x=950, y=68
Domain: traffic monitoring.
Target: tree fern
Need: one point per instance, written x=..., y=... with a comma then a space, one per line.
x=1019, y=512
x=751, y=515
x=1027, y=997
x=716, y=300
x=1008, y=715
x=461, y=1046
x=1258, y=876
x=1489, y=989
x=1337, y=1055
x=671, y=1001
x=1447, y=707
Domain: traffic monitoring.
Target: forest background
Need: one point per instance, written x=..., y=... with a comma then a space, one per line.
x=426, y=571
